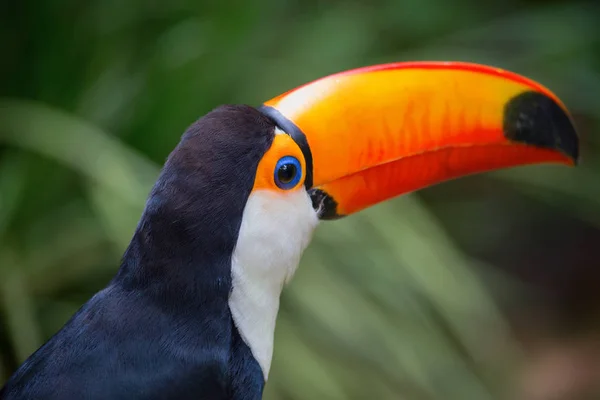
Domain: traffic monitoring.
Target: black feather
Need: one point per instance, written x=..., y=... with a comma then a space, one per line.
x=162, y=328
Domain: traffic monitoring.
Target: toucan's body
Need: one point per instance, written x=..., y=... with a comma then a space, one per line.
x=155, y=354
x=191, y=312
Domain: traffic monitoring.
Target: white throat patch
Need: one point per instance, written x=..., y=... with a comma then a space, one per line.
x=276, y=229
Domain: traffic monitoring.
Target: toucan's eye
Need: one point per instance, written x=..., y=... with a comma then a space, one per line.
x=288, y=172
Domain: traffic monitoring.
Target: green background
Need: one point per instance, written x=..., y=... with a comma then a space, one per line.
x=479, y=288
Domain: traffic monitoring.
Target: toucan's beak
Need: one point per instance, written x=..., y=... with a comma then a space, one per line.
x=377, y=132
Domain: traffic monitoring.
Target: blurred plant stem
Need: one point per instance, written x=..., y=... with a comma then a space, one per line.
x=18, y=308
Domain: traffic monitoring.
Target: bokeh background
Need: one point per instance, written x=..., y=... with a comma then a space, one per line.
x=480, y=288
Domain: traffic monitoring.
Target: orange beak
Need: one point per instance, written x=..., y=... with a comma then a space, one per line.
x=374, y=133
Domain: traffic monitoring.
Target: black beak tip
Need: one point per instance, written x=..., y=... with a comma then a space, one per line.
x=535, y=119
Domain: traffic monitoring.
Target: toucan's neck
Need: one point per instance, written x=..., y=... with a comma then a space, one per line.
x=183, y=263
x=178, y=249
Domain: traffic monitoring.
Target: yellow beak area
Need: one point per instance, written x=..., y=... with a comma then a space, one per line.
x=378, y=132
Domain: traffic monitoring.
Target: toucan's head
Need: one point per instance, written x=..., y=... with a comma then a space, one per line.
x=246, y=186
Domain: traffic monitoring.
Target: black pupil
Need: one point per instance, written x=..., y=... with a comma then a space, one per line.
x=286, y=173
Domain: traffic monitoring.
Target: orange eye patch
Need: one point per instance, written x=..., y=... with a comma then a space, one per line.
x=282, y=167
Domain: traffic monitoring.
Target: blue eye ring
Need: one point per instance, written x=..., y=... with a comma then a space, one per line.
x=288, y=172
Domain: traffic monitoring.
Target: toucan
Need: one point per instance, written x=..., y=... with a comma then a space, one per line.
x=191, y=312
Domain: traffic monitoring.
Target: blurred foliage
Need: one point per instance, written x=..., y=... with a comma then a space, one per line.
x=419, y=298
